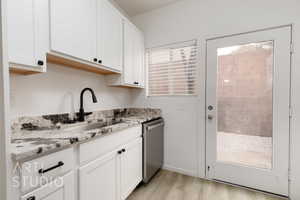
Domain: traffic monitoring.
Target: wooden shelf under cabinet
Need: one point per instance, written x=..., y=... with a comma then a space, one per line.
x=76, y=64
x=15, y=69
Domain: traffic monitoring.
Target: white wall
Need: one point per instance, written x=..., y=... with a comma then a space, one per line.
x=58, y=91
x=189, y=19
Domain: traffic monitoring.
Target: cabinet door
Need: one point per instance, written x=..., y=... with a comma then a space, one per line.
x=41, y=31
x=20, y=32
x=128, y=72
x=99, y=179
x=60, y=189
x=139, y=59
x=110, y=35
x=73, y=28
x=27, y=28
x=131, y=167
x=133, y=55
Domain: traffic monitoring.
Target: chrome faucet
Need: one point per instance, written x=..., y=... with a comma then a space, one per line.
x=82, y=114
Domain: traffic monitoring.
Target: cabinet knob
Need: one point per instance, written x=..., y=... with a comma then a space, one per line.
x=123, y=150
x=40, y=62
x=136, y=83
x=100, y=61
x=31, y=198
x=95, y=59
x=120, y=152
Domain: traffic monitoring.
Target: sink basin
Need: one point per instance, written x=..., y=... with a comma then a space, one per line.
x=93, y=126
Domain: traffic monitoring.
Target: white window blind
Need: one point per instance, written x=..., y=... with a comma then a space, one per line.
x=172, y=69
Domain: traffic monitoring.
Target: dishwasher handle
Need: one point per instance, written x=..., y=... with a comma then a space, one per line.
x=154, y=126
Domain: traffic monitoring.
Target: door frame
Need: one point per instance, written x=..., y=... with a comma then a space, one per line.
x=202, y=163
x=6, y=163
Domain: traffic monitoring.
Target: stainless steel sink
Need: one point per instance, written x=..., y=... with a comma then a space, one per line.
x=92, y=126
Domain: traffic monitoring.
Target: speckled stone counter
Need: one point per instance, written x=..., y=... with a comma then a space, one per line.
x=36, y=136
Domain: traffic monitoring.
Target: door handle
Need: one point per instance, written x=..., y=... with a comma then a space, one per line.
x=210, y=117
x=155, y=126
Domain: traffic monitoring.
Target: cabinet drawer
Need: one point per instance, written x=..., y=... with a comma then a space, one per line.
x=43, y=170
x=60, y=189
x=98, y=147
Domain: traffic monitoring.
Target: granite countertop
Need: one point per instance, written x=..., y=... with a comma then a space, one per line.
x=33, y=137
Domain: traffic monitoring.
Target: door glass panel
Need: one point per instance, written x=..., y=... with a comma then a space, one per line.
x=244, y=100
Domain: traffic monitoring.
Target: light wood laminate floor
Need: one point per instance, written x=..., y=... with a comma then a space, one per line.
x=168, y=185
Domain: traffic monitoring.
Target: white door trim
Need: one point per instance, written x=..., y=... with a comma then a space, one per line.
x=5, y=161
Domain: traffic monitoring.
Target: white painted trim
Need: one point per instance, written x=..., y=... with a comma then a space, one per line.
x=201, y=150
x=180, y=171
x=4, y=107
x=294, y=135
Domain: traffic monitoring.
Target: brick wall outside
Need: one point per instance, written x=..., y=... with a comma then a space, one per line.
x=245, y=91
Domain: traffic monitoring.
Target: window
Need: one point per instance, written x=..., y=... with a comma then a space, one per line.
x=172, y=69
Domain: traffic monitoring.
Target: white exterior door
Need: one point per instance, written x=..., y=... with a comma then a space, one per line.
x=248, y=94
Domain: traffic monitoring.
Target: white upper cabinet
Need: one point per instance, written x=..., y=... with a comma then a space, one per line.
x=73, y=28
x=20, y=18
x=133, y=66
x=90, y=35
x=129, y=34
x=28, y=34
x=109, y=35
x=42, y=30
x=139, y=67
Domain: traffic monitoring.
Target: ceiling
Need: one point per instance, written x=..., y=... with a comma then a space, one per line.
x=135, y=7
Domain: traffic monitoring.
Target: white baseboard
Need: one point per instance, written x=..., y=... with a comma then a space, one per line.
x=180, y=170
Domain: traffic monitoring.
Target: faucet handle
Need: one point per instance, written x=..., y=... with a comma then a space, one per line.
x=88, y=113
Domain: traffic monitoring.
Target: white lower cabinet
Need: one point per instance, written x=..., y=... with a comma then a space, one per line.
x=62, y=188
x=114, y=175
x=108, y=168
x=99, y=179
x=131, y=167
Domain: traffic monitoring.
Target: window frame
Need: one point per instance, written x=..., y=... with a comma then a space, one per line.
x=181, y=44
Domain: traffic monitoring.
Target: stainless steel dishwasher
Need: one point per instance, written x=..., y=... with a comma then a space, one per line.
x=153, y=148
